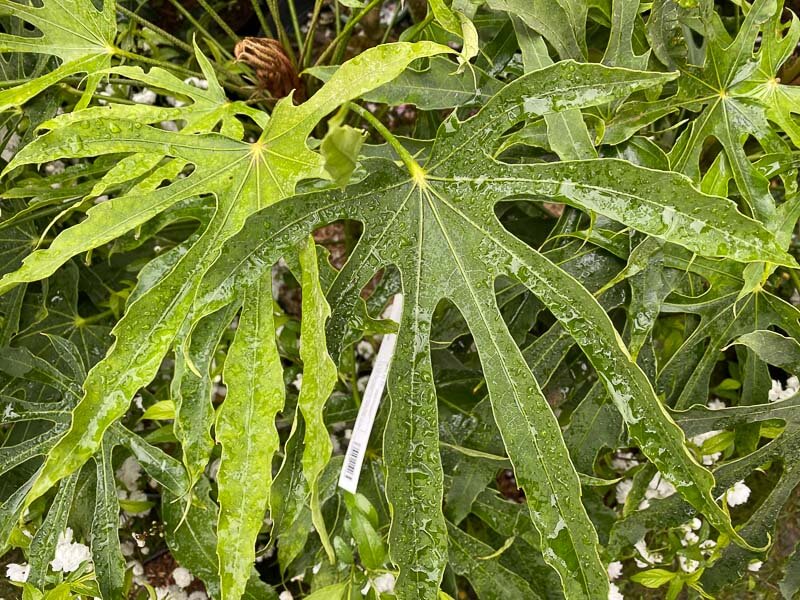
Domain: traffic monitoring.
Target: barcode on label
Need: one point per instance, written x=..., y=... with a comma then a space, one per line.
x=351, y=464
x=351, y=470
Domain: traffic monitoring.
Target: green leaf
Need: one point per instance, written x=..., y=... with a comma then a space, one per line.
x=106, y=554
x=192, y=540
x=371, y=550
x=653, y=578
x=243, y=177
x=436, y=86
x=163, y=410
x=246, y=431
x=319, y=377
x=75, y=31
x=773, y=348
x=340, y=148
x=487, y=576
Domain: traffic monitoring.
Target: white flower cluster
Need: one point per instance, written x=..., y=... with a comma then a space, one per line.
x=383, y=584
x=700, y=439
x=738, y=494
x=18, y=573
x=648, y=558
x=657, y=488
x=623, y=461
x=779, y=392
x=69, y=555
x=183, y=579
x=614, y=571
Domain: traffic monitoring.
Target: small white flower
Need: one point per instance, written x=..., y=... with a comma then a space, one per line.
x=708, y=545
x=169, y=125
x=365, y=350
x=778, y=392
x=182, y=577
x=146, y=96
x=689, y=538
x=384, y=584
x=700, y=439
x=137, y=569
x=755, y=565
x=285, y=595
x=298, y=382
x=197, y=82
x=315, y=569
x=614, y=570
x=54, y=168
x=614, y=593
x=126, y=548
x=18, y=573
x=174, y=102
x=643, y=505
x=623, y=489
x=716, y=404
x=361, y=383
x=710, y=459
x=687, y=564
x=659, y=488
x=738, y=494
x=649, y=558
x=336, y=447
x=129, y=472
x=69, y=555
x=695, y=524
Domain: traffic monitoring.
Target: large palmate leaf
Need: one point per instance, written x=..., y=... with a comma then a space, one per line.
x=74, y=31
x=436, y=224
x=242, y=177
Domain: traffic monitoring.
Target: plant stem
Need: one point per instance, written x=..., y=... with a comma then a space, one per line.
x=282, y=35
x=167, y=36
x=412, y=165
x=76, y=92
x=308, y=44
x=219, y=20
x=392, y=21
x=345, y=33
x=196, y=24
x=298, y=37
x=156, y=62
x=262, y=19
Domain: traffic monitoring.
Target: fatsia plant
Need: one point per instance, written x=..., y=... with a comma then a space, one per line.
x=436, y=223
x=659, y=266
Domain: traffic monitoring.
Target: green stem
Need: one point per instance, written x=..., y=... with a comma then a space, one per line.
x=158, y=63
x=305, y=54
x=392, y=21
x=83, y=321
x=298, y=37
x=282, y=35
x=262, y=19
x=345, y=32
x=219, y=20
x=76, y=92
x=166, y=36
x=196, y=24
x=412, y=165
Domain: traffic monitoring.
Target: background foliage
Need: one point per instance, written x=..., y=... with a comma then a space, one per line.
x=589, y=209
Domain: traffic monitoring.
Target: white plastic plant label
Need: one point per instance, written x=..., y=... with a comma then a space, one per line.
x=351, y=470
